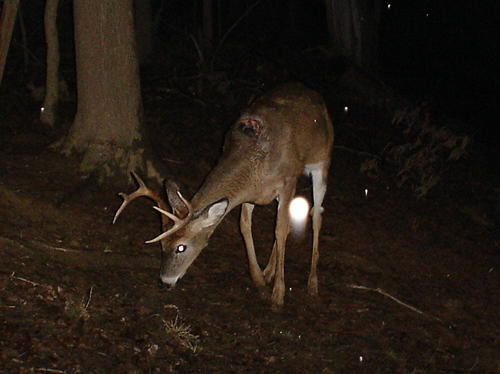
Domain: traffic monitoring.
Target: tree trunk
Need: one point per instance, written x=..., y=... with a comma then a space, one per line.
x=7, y=22
x=49, y=108
x=208, y=25
x=106, y=130
x=353, y=29
x=341, y=18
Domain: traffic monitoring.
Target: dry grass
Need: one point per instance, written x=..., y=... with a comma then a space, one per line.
x=181, y=333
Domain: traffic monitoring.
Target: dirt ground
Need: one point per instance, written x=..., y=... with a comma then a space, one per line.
x=406, y=285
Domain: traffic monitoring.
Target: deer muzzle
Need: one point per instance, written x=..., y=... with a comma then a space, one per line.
x=167, y=282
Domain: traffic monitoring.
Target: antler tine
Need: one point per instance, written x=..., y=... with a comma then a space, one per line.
x=163, y=235
x=187, y=204
x=142, y=190
x=178, y=222
x=172, y=216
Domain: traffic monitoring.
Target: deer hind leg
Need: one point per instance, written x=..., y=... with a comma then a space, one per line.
x=246, y=231
x=281, y=232
x=270, y=269
x=319, y=178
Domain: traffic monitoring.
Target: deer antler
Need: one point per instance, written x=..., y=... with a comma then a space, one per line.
x=143, y=190
x=178, y=222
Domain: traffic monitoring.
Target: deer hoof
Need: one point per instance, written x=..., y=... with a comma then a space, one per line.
x=276, y=308
x=312, y=286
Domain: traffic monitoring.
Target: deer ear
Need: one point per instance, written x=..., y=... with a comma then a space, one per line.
x=178, y=206
x=213, y=213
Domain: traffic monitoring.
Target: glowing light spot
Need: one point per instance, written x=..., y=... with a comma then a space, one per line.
x=366, y=192
x=346, y=109
x=42, y=109
x=299, y=209
x=360, y=358
x=299, y=212
x=389, y=6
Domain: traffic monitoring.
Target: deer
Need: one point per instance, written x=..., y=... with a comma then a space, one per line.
x=277, y=138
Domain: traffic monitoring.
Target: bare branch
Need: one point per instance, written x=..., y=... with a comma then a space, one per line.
x=24, y=280
x=382, y=292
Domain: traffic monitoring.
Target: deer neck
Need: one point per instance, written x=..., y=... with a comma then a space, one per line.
x=234, y=183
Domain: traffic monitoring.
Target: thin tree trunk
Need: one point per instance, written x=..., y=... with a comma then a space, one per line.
x=49, y=108
x=208, y=24
x=24, y=39
x=330, y=22
x=7, y=22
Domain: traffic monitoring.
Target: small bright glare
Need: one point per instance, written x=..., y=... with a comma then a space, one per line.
x=299, y=209
x=299, y=212
x=346, y=109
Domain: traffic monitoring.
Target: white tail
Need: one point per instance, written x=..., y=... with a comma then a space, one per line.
x=277, y=138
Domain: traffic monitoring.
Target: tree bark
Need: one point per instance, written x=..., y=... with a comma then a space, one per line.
x=208, y=25
x=7, y=22
x=106, y=130
x=353, y=30
x=49, y=108
x=341, y=17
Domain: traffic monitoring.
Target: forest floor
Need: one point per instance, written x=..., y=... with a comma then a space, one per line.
x=406, y=285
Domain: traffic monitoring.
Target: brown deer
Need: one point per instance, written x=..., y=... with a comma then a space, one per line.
x=277, y=138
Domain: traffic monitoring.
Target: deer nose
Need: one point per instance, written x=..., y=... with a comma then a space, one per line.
x=161, y=285
x=167, y=282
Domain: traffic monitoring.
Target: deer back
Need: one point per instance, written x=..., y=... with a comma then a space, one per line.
x=274, y=138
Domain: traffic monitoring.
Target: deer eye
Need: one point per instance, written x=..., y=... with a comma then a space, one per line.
x=180, y=248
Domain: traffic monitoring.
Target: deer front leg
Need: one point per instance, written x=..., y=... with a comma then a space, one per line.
x=270, y=269
x=246, y=231
x=281, y=232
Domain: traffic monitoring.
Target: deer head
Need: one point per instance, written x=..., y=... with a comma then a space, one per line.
x=189, y=234
x=182, y=244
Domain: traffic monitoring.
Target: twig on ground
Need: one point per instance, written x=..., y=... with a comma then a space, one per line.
x=24, y=279
x=60, y=249
x=382, y=292
x=48, y=246
x=47, y=370
x=90, y=298
x=172, y=161
x=35, y=243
